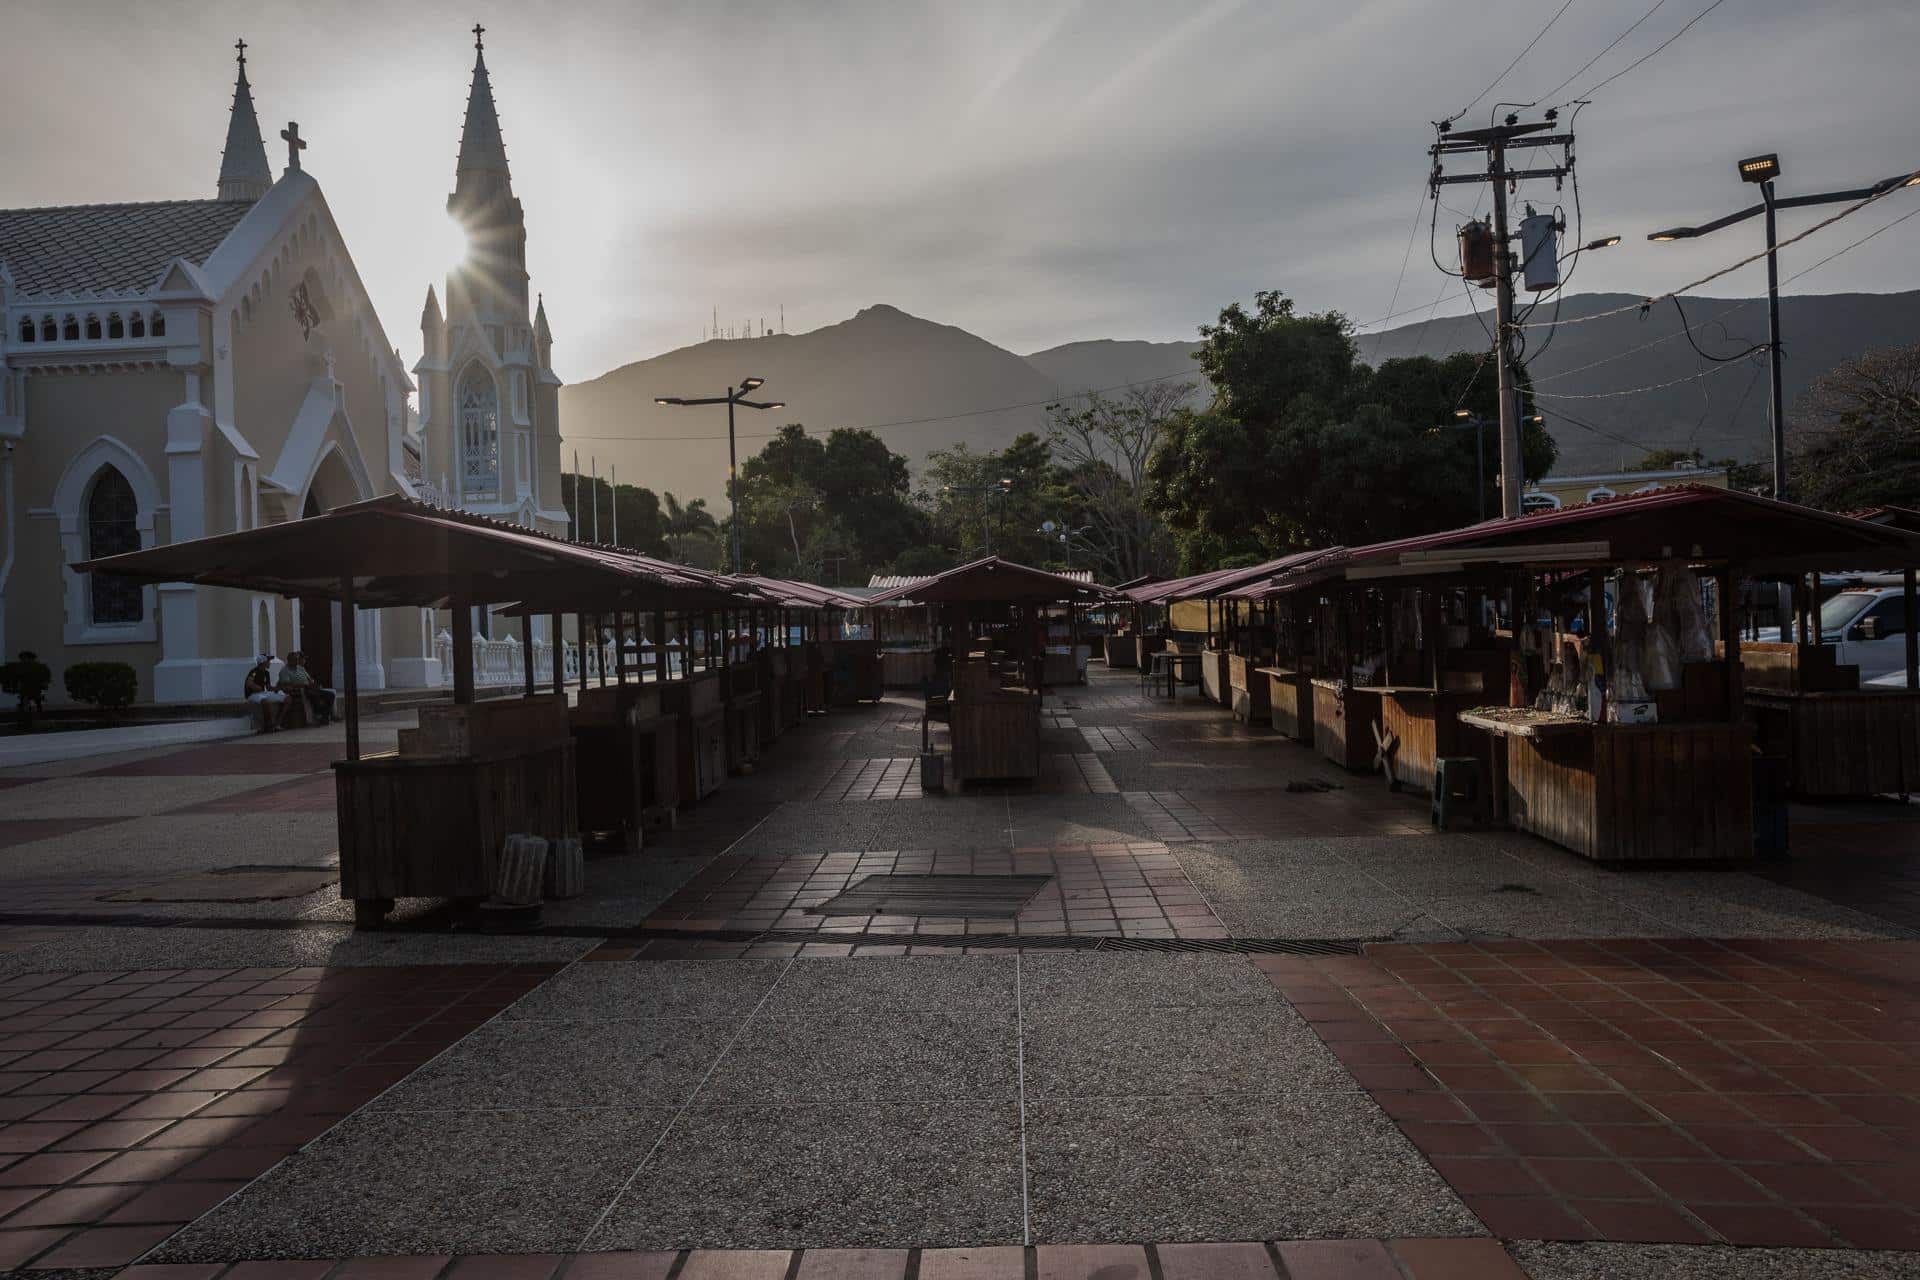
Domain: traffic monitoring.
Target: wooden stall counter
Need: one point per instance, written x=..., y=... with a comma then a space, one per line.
x=625, y=766
x=906, y=668
x=995, y=726
x=1419, y=724
x=430, y=820
x=1121, y=651
x=1290, y=702
x=1252, y=695
x=697, y=703
x=1061, y=666
x=1617, y=793
x=1841, y=742
x=1214, y=676
x=854, y=672
x=744, y=682
x=1343, y=720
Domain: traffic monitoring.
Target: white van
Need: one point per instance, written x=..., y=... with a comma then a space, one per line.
x=1868, y=624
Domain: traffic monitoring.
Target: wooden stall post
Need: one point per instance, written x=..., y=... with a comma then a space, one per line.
x=1913, y=631
x=462, y=650
x=580, y=625
x=557, y=654
x=350, y=666
x=600, y=648
x=659, y=646
x=1730, y=640
x=526, y=651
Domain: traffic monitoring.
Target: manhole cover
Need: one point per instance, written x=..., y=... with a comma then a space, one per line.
x=884, y=895
x=233, y=884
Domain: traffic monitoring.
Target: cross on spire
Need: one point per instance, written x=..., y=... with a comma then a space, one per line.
x=295, y=143
x=241, y=45
x=478, y=31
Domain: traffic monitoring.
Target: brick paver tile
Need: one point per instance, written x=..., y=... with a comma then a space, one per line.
x=1871, y=1226
x=505, y=1266
x=18, y=1246
x=653, y=1265
x=852, y=1264
x=384, y=1268
x=1215, y=1262
x=1001, y=1262
x=1091, y=1262
x=1641, y=1221
x=1528, y=1218
x=279, y=1270
x=736, y=1264
x=1771, y=1225
x=173, y=1271
x=1457, y=1260
x=1337, y=1260
x=104, y=1246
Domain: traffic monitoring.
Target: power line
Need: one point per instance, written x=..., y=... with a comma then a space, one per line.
x=1855, y=245
x=1707, y=372
x=1602, y=431
x=1588, y=93
x=1603, y=53
x=1511, y=65
x=915, y=422
x=1850, y=210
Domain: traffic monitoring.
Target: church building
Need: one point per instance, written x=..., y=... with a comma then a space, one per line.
x=179, y=368
x=489, y=399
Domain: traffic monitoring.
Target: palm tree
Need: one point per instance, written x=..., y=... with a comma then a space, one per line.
x=691, y=518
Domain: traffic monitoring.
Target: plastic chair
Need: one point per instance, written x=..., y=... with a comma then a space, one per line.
x=1456, y=784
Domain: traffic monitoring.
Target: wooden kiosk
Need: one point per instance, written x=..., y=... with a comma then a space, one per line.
x=991, y=617
x=430, y=818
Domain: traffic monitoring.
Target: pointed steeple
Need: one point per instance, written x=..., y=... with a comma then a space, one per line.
x=482, y=153
x=244, y=174
x=430, y=313
x=540, y=329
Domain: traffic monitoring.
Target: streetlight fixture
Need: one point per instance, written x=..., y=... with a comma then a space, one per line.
x=734, y=396
x=1762, y=170
x=1468, y=418
x=1065, y=533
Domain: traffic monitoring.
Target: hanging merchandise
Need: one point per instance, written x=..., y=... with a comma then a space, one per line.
x=1676, y=605
x=1631, y=702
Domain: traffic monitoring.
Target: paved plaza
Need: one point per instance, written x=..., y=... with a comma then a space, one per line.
x=1227, y=1012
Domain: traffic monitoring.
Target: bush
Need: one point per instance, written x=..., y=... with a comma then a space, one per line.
x=111, y=686
x=27, y=680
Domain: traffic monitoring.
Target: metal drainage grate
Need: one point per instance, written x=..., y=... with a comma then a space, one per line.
x=970, y=896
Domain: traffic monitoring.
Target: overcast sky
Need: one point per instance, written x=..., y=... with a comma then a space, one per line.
x=1036, y=171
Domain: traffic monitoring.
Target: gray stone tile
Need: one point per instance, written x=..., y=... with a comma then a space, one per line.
x=1238, y=1168
x=878, y=1055
x=131, y=795
x=513, y=1065
x=1120, y=980
x=896, y=982
x=645, y=991
x=870, y=1176
x=1147, y=1051
x=99, y=948
x=1074, y=819
x=431, y=1183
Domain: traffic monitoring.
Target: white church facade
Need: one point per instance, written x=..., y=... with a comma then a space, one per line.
x=175, y=369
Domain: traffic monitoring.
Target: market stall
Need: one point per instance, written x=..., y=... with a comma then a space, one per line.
x=991, y=617
x=430, y=818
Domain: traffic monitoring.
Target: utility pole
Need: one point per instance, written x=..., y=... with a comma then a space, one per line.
x=1499, y=269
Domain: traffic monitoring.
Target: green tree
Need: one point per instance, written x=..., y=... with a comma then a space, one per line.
x=1102, y=447
x=641, y=523
x=993, y=501
x=1857, y=443
x=1304, y=445
x=826, y=509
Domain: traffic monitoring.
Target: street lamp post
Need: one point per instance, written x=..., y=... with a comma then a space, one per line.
x=1763, y=170
x=734, y=396
x=986, y=507
x=1468, y=418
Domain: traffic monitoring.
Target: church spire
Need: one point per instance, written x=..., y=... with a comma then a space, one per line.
x=244, y=174
x=482, y=153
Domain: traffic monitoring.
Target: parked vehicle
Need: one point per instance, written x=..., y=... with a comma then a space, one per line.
x=1868, y=625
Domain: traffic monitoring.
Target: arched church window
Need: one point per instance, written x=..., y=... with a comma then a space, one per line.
x=159, y=325
x=48, y=330
x=479, y=436
x=139, y=325
x=26, y=328
x=70, y=328
x=116, y=328
x=113, y=527
x=93, y=328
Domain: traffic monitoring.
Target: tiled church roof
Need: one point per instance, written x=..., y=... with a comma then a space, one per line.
x=110, y=248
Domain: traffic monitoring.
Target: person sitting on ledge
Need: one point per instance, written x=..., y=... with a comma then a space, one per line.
x=261, y=693
x=295, y=679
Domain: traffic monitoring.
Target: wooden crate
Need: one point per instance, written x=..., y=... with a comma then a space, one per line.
x=1252, y=694
x=1637, y=793
x=433, y=826
x=1290, y=702
x=1343, y=724
x=1121, y=651
x=1860, y=743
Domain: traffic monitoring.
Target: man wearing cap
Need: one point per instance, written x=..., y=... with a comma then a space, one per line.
x=261, y=693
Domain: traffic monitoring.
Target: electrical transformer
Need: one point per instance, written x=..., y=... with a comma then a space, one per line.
x=1476, y=253
x=1540, y=250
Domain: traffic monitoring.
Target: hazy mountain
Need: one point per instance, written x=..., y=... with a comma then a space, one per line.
x=1723, y=413
x=882, y=369
x=924, y=385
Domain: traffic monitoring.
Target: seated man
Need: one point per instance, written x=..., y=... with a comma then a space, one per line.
x=295, y=679
x=261, y=693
